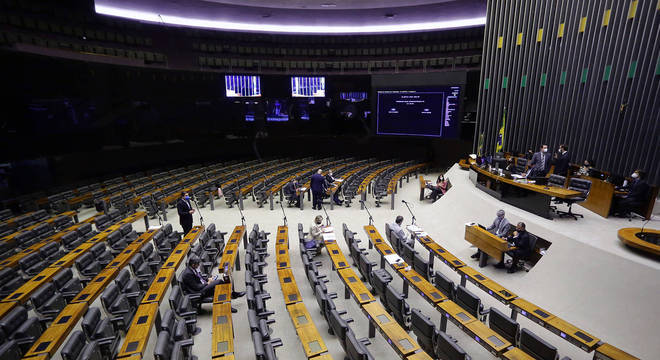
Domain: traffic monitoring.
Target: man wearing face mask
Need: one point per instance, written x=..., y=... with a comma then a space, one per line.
x=520, y=240
x=561, y=160
x=540, y=163
x=499, y=227
x=185, y=210
x=638, y=194
x=193, y=281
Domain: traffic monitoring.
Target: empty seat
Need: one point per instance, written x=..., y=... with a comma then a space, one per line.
x=470, y=302
x=503, y=325
x=9, y=350
x=32, y=264
x=47, y=302
x=445, y=285
x=118, y=306
x=77, y=348
x=102, y=331
x=9, y=281
x=356, y=349
x=51, y=252
x=102, y=222
x=537, y=347
x=166, y=349
x=446, y=348
x=71, y=240
x=18, y=327
x=128, y=234
x=151, y=257
x=68, y=285
x=129, y=286
x=25, y=239
x=183, y=307
x=87, y=266
x=101, y=254
x=395, y=303
x=116, y=243
x=379, y=279
x=85, y=231
x=142, y=270
x=264, y=349
x=424, y=329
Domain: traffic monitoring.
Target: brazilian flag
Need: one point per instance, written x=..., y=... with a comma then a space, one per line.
x=500, y=136
x=480, y=148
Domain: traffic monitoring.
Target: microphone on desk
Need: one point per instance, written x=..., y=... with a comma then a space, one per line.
x=403, y=201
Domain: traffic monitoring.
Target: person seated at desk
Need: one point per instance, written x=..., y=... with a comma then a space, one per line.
x=510, y=165
x=499, y=227
x=291, y=191
x=561, y=160
x=638, y=194
x=439, y=189
x=586, y=167
x=398, y=231
x=194, y=282
x=520, y=240
x=315, y=241
x=329, y=180
x=540, y=163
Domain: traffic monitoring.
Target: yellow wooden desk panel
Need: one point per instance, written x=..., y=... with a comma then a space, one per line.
x=311, y=340
x=223, y=330
x=337, y=257
x=473, y=275
x=68, y=259
x=6, y=307
x=516, y=354
x=299, y=314
x=356, y=286
x=95, y=287
x=176, y=257
x=22, y=294
x=423, y=285
x=565, y=328
x=419, y=355
x=282, y=259
x=456, y=312
x=322, y=357
x=53, y=337
x=222, y=293
x=528, y=309
x=282, y=235
x=491, y=244
x=192, y=235
x=140, y=330
x=399, y=337
x=38, y=357
x=132, y=357
x=159, y=286
x=498, y=291
x=492, y=340
x=289, y=286
x=607, y=351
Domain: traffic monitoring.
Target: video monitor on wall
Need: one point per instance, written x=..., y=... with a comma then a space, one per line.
x=277, y=110
x=428, y=112
x=308, y=86
x=242, y=86
x=353, y=96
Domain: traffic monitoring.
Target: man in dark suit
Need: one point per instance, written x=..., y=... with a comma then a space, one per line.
x=185, y=210
x=329, y=180
x=318, y=187
x=291, y=191
x=561, y=160
x=520, y=240
x=540, y=163
x=638, y=194
x=193, y=282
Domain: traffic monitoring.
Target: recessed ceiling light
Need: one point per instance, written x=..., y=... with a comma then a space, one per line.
x=266, y=15
x=328, y=5
x=390, y=16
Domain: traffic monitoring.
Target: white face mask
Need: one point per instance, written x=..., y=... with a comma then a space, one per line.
x=634, y=175
x=545, y=149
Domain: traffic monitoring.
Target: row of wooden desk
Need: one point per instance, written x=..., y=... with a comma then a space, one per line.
x=222, y=331
x=544, y=318
x=10, y=239
x=398, y=177
x=404, y=345
x=52, y=338
x=147, y=314
x=311, y=340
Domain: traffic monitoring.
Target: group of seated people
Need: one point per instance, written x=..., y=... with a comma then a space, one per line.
x=518, y=238
x=319, y=184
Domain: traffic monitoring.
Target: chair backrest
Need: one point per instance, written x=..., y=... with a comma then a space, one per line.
x=503, y=325
x=532, y=242
x=61, y=278
x=421, y=266
x=468, y=301
x=355, y=350
x=13, y=320
x=49, y=249
x=443, y=284
x=42, y=295
x=74, y=346
x=210, y=230
x=396, y=303
x=126, y=229
x=365, y=266
x=84, y=260
x=123, y=278
x=379, y=282
x=69, y=238
x=90, y=321
x=164, y=347
x=338, y=325
x=175, y=298
x=423, y=327
x=581, y=185
x=167, y=229
x=556, y=180
x=113, y=237
x=98, y=249
x=109, y=296
x=355, y=252
x=446, y=348
x=29, y=260
x=536, y=347
x=168, y=321
x=407, y=252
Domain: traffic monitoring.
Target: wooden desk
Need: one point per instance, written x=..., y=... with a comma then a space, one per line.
x=445, y=256
x=122, y=259
x=68, y=259
x=140, y=330
x=51, y=339
x=282, y=259
x=629, y=237
x=457, y=314
x=489, y=244
x=222, y=293
x=609, y=352
x=176, y=257
x=22, y=294
x=530, y=197
x=289, y=287
x=529, y=310
x=488, y=338
x=6, y=307
x=282, y=237
x=484, y=283
x=422, y=186
x=337, y=257
x=419, y=356
x=402, y=343
x=573, y=334
x=307, y=333
x=159, y=286
x=223, y=330
x=601, y=196
x=322, y=357
x=95, y=287
x=353, y=285
x=516, y=354
x=422, y=286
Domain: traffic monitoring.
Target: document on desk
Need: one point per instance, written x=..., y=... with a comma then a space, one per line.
x=328, y=229
x=329, y=237
x=393, y=259
x=414, y=228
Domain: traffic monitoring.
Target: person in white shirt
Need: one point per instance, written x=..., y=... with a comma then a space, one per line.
x=398, y=231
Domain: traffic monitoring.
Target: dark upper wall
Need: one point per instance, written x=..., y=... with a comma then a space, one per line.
x=595, y=88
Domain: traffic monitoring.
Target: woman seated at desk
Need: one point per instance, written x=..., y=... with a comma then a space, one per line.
x=439, y=189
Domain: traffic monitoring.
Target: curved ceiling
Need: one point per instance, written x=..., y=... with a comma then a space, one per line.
x=287, y=16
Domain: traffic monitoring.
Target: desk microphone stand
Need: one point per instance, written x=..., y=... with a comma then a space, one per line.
x=283, y=213
x=327, y=217
x=242, y=217
x=201, y=219
x=371, y=219
x=410, y=211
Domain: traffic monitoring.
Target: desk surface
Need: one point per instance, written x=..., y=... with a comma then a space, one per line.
x=457, y=313
x=22, y=294
x=140, y=330
x=587, y=341
x=419, y=356
x=397, y=336
x=289, y=287
x=424, y=286
x=444, y=255
x=282, y=258
x=356, y=286
x=68, y=259
x=95, y=287
x=6, y=307
x=176, y=257
x=612, y=352
x=337, y=257
x=516, y=354
x=223, y=330
x=222, y=293
x=488, y=337
x=307, y=333
x=629, y=237
x=542, y=189
x=59, y=329
x=159, y=286
x=491, y=244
